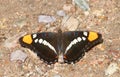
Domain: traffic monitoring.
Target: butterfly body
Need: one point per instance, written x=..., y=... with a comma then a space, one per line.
x=64, y=47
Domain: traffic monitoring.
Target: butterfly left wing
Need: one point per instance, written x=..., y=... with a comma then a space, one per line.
x=43, y=44
x=76, y=43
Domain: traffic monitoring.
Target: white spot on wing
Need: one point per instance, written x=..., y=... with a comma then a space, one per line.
x=44, y=42
x=85, y=33
x=84, y=38
x=79, y=39
x=36, y=40
x=34, y=35
x=74, y=41
x=40, y=41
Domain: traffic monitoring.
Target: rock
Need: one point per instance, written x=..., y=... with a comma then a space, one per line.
x=82, y=4
x=69, y=8
x=70, y=23
x=61, y=13
x=18, y=55
x=112, y=68
x=56, y=75
x=46, y=19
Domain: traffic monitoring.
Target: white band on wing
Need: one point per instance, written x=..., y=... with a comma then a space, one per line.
x=44, y=42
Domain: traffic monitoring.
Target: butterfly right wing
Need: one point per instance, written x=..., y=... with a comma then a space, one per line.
x=76, y=43
x=43, y=44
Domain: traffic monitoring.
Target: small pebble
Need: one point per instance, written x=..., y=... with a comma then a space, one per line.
x=82, y=4
x=56, y=75
x=69, y=8
x=18, y=55
x=86, y=13
x=47, y=25
x=98, y=12
x=20, y=23
x=38, y=69
x=61, y=13
x=46, y=19
x=1, y=55
x=112, y=68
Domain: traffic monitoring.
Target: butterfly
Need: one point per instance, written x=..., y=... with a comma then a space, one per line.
x=64, y=47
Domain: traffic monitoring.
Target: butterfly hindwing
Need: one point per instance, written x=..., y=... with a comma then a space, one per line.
x=42, y=44
x=79, y=42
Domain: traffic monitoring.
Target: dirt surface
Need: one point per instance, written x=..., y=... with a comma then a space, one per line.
x=18, y=17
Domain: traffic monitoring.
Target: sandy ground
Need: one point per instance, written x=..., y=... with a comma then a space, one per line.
x=18, y=17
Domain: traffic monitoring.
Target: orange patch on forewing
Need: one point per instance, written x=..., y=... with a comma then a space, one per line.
x=27, y=39
x=92, y=36
x=65, y=57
